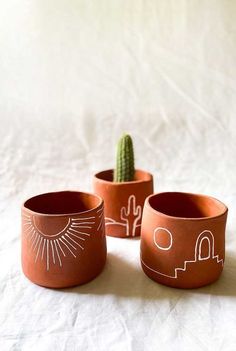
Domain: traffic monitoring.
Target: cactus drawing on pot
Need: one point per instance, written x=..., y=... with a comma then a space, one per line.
x=124, y=171
x=130, y=213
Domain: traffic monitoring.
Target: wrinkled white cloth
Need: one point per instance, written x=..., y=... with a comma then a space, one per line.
x=74, y=75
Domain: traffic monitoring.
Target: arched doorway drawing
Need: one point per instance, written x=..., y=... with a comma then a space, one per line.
x=204, y=248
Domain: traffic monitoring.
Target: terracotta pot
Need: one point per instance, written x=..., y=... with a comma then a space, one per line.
x=63, y=238
x=123, y=201
x=183, y=239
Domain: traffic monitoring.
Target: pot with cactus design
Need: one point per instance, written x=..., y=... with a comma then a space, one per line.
x=124, y=191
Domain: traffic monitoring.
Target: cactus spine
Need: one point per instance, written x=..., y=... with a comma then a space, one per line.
x=124, y=171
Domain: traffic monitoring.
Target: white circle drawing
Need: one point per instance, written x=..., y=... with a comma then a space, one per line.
x=156, y=234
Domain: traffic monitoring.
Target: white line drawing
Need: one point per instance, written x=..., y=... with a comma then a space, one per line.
x=36, y=242
x=77, y=231
x=200, y=257
x=205, y=234
x=69, y=241
x=47, y=255
x=36, y=257
x=130, y=216
x=58, y=256
x=61, y=231
x=44, y=242
x=170, y=235
x=101, y=224
x=84, y=218
x=59, y=245
x=53, y=257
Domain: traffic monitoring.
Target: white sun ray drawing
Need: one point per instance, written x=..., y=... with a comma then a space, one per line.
x=69, y=241
x=101, y=224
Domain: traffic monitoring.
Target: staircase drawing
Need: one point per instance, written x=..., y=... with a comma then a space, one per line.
x=191, y=266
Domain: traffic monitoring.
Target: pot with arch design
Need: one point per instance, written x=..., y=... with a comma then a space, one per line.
x=183, y=239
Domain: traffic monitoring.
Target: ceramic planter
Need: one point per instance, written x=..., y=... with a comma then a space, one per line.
x=63, y=238
x=183, y=239
x=123, y=202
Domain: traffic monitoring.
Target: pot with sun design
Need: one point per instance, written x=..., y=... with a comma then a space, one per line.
x=63, y=238
x=183, y=239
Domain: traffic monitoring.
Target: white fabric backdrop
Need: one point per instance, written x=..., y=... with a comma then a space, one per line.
x=73, y=76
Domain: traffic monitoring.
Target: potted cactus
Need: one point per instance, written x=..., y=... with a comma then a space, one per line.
x=124, y=191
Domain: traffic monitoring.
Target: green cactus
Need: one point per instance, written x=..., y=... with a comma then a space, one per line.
x=124, y=171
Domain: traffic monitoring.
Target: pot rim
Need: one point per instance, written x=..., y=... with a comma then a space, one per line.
x=23, y=207
x=225, y=208
x=101, y=180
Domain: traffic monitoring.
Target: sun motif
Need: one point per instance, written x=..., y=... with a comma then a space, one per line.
x=163, y=238
x=69, y=241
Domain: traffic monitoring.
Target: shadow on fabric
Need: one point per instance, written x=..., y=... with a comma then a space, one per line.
x=123, y=279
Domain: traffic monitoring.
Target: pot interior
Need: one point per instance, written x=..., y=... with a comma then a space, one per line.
x=139, y=175
x=186, y=205
x=63, y=202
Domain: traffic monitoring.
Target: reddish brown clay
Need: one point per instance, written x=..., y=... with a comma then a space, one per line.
x=63, y=238
x=123, y=201
x=183, y=239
